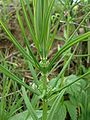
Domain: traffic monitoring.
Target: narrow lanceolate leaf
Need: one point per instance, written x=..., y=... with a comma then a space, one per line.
x=16, y=79
x=79, y=78
x=38, y=18
x=39, y=22
x=29, y=105
x=49, y=44
x=30, y=11
x=49, y=12
x=26, y=40
x=20, y=48
x=65, y=66
x=33, y=74
x=29, y=25
x=23, y=31
x=67, y=46
x=55, y=105
x=46, y=26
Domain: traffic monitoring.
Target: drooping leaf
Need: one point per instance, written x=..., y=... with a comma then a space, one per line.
x=71, y=110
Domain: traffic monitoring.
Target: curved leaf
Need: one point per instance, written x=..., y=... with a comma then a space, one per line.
x=66, y=47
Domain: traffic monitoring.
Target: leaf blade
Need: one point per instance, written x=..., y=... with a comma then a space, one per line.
x=66, y=47
x=15, y=78
x=28, y=105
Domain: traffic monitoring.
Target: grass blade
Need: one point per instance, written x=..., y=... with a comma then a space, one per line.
x=29, y=25
x=29, y=105
x=26, y=39
x=30, y=11
x=65, y=66
x=20, y=48
x=16, y=79
x=33, y=74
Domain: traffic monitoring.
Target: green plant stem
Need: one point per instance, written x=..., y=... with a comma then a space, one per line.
x=88, y=60
x=67, y=37
x=44, y=117
x=83, y=55
x=67, y=52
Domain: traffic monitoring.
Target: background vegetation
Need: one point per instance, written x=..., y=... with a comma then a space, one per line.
x=44, y=60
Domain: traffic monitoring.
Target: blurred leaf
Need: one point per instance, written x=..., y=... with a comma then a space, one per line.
x=15, y=78
x=29, y=105
x=54, y=107
x=71, y=109
x=23, y=116
x=60, y=113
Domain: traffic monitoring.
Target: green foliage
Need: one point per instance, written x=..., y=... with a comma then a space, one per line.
x=8, y=109
x=28, y=104
x=50, y=93
x=60, y=113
